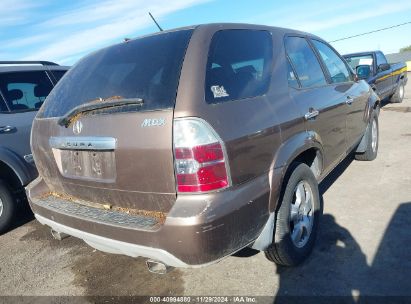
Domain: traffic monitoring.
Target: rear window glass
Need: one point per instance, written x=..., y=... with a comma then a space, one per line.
x=239, y=65
x=147, y=68
x=24, y=91
x=354, y=61
x=57, y=74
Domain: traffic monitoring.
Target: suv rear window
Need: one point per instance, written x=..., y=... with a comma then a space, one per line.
x=147, y=68
x=239, y=65
x=24, y=91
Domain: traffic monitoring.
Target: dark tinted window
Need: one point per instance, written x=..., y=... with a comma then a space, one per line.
x=239, y=65
x=305, y=62
x=147, y=68
x=25, y=91
x=3, y=107
x=335, y=65
x=58, y=74
x=380, y=58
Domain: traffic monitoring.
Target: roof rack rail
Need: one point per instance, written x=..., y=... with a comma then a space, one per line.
x=29, y=62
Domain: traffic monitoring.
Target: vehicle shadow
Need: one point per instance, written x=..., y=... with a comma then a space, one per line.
x=385, y=102
x=337, y=270
x=327, y=182
x=323, y=187
x=23, y=216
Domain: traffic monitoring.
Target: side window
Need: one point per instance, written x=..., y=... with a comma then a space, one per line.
x=335, y=65
x=57, y=74
x=292, y=79
x=239, y=65
x=3, y=107
x=305, y=62
x=25, y=91
x=380, y=58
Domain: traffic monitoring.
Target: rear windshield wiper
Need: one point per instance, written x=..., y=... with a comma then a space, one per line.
x=97, y=104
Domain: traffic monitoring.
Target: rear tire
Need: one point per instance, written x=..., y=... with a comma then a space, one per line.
x=399, y=93
x=372, y=134
x=7, y=207
x=297, y=218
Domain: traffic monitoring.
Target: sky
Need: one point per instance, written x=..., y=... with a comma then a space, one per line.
x=64, y=31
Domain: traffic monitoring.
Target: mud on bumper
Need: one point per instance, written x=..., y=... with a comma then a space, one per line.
x=220, y=224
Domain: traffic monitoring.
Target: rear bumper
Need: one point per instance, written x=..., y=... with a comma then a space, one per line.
x=198, y=230
x=114, y=246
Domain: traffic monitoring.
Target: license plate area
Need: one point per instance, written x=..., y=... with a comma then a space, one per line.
x=90, y=165
x=85, y=158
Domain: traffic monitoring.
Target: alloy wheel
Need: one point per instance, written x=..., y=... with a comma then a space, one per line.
x=301, y=214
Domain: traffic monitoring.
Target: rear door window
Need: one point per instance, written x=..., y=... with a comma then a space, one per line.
x=25, y=91
x=239, y=65
x=147, y=68
x=305, y=62
x=335, y=65
x=292, y=79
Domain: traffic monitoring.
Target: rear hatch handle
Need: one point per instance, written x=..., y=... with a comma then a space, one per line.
x=97, y=104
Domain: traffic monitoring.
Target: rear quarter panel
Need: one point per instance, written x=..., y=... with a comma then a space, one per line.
x=253, y=129
x=249, y=127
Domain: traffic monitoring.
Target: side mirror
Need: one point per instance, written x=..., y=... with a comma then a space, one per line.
x=384, y=67
x=363, y=71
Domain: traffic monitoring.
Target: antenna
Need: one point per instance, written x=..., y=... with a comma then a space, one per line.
x=159, y=27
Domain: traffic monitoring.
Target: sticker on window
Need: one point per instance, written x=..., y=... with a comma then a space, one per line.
x=219, y=91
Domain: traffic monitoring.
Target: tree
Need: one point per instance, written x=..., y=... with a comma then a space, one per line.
x=405, y=49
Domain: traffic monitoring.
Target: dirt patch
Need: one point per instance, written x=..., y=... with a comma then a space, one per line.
x=398, y=109
x=42, y=233
x=103, y=274
x=158, y=215
x=406, y=134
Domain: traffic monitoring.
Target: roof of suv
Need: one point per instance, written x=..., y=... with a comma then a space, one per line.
x=21, y=66
x=223, y=26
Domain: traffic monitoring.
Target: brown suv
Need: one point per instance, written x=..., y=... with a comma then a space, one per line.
x=188, y=145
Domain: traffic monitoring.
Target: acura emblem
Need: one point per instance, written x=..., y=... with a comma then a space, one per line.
x=77, y=127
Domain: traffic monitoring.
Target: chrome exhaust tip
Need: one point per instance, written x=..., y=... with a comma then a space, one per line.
x=158, y=267
x=59, y=235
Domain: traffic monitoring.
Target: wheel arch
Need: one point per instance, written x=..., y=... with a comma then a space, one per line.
x=305, y=147
x=13, y=169
x=373, y=103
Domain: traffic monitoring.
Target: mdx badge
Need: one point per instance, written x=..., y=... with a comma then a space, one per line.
x=153, y=122
x=77, y=127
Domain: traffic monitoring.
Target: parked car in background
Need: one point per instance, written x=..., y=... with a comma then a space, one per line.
x=388, y=80
x=24, y=85
x=188, y=145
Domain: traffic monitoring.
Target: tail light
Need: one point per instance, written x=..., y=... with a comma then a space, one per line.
x=200, y=158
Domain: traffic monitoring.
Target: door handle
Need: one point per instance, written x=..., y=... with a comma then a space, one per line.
x=312, y=113
x=349, y=100
x=7, y=129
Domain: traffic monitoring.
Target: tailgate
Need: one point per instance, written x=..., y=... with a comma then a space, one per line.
x=115, y=155
x=116, y=160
